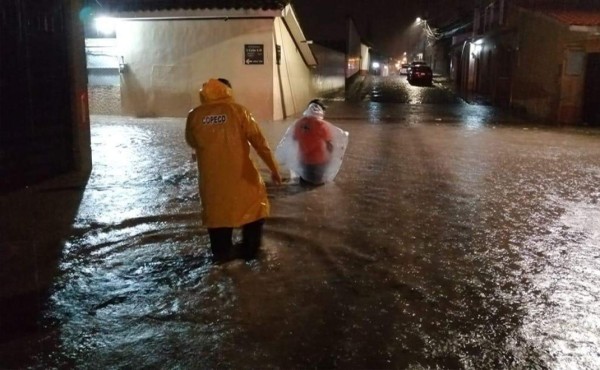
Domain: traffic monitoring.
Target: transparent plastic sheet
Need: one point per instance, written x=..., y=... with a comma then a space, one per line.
x=287, y=153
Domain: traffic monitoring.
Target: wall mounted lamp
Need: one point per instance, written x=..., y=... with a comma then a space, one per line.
x=122, y=65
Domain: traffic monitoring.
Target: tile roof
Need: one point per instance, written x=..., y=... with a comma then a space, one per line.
x=138, y=5
x=570, y=12
x=560, y=4
x=576, y=17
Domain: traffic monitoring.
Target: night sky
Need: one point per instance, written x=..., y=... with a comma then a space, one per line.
x=387, y=25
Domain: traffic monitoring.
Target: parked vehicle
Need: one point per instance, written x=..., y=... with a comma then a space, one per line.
x=414, y=64
x=420, y=74
x=404, y=69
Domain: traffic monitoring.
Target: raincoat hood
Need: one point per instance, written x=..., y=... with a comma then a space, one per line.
x=314, y=110
x=214, y=91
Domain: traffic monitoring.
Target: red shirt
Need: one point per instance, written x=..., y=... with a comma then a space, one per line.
x=312, y=135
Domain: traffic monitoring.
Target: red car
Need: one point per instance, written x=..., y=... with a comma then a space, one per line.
x=420, y=74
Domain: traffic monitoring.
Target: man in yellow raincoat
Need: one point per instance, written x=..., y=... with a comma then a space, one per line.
x=232, y=191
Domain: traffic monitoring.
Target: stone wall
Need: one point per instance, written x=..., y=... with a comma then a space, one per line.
x=105, y=100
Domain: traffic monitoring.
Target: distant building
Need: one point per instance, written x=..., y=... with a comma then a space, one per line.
x=329, y=75
x=539, y=56
x=341, y=64
x=447, y=44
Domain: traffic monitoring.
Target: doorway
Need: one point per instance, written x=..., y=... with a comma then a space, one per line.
x=591, y=93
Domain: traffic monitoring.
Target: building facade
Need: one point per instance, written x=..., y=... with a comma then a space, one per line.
x=542, y=57
x=161, y=56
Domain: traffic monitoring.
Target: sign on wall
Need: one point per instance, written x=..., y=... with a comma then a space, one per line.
x=254, y=54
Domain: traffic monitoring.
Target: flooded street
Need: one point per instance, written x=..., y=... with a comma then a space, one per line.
x=454, y=237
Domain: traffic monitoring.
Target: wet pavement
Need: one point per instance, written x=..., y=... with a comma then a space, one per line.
x=454, y=236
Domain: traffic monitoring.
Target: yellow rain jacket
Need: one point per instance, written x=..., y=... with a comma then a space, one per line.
x=231, y=189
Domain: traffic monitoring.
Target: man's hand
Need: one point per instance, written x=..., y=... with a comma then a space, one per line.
x=276, y=178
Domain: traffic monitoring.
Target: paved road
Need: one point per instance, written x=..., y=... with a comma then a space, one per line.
x=454, y=236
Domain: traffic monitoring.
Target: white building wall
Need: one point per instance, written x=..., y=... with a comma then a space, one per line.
x=365, y=58
x=292, y=88
x=328, y=77
x=354, y=50
x=104, y=91
x=168, y=60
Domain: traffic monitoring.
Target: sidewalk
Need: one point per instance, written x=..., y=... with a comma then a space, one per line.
x=470, y=98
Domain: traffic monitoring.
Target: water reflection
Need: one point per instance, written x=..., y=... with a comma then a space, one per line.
x=416, y=94
x=560, y=309
x=438, y=246
x=374, y=112
x=393, y=100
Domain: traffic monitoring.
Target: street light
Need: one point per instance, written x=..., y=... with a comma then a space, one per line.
x=431, y=33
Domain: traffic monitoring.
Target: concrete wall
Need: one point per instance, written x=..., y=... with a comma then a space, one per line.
x=354, y=51
x=80, y=112
x=168, y=60
x=536, y=78
x=328, y=77
x=291, y=88
x=572, y=81
x=365, y=59
x=105, y=100
x=104, y=79
x=549, y=76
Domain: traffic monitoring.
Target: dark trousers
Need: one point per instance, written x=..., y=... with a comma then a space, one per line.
x=313, y=173
x=221, y=243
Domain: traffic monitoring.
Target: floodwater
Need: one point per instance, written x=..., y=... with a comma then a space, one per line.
x=453, y=237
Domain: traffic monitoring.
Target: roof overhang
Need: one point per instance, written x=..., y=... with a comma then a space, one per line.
x=594, y=30
x=291, y=22
x=287, y=14
x=173, y=14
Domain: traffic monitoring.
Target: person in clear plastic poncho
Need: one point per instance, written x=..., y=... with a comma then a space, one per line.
x=232, y=191
x=313, y=148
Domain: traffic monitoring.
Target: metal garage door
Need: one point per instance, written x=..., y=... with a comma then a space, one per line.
x=35, y=84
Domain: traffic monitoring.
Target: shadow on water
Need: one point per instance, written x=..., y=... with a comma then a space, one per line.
x=34, y=224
